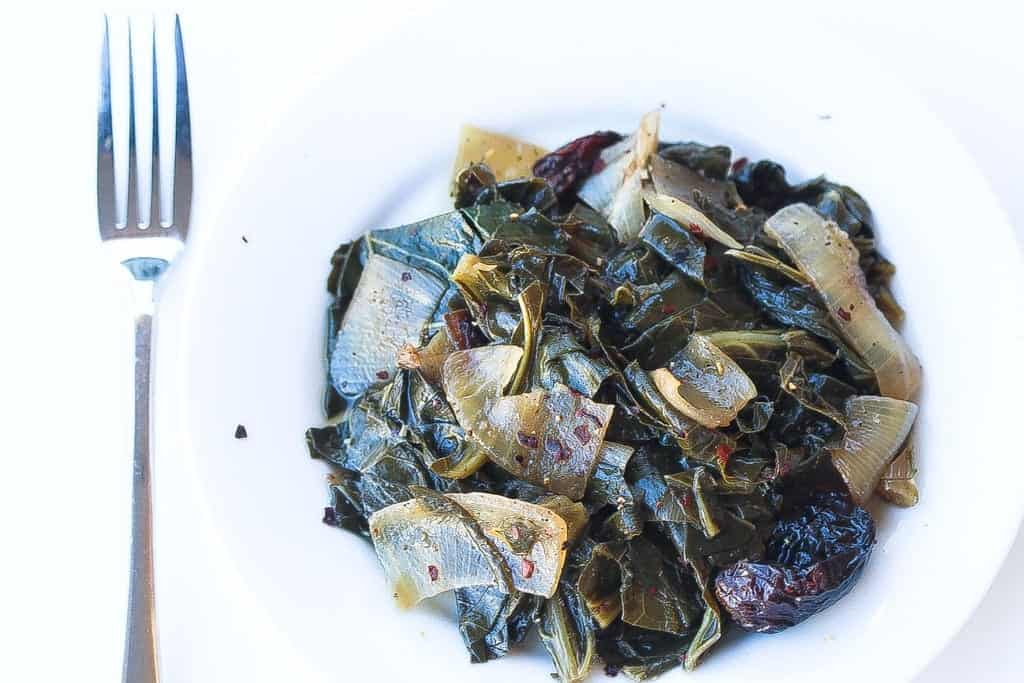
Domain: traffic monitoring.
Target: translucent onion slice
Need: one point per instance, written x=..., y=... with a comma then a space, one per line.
x=626, y=213
x=677, y=180
x=531, y=538
x=825, y=254
x=551, y=439
x=689, y=215
x=506, y=156
x=897, y=485
x=876, y=428
x=704, y=383
x=429, y=545
x=428, y=359
x=391, y=306
x=574, y=514
x=616, y=191
x=474, y=378
x=435, y=543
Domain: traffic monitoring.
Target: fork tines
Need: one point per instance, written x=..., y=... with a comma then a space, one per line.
x=143, y=215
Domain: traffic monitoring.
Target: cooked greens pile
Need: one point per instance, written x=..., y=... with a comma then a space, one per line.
x=629, y=392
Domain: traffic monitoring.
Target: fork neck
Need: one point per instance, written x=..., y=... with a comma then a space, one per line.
x=145, y=271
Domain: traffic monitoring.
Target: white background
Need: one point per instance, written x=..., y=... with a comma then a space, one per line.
x=63, y=490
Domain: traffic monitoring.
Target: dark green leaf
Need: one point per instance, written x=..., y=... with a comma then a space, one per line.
x=491, y=621
x=675, y=244
x=567, y=634
x=710, y=161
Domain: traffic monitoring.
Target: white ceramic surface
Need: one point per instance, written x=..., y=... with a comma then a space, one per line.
x=371, y=147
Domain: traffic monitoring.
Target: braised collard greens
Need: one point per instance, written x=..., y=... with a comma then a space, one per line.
x=630, y=393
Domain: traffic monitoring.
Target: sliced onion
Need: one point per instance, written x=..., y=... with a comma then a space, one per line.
x=897, y=485
x=599, y=190
x=690, y=216
x=474, y=378
x=616, y=190
x=506, y=156
x=677, y=180
x=574, y=514
x=391, y=306
x=705, y=384
x=429, y=358
x=825, y=254
x=531, y=538
x=626, y=213
x=551, y=439
x=876, y=427
x=470, y=539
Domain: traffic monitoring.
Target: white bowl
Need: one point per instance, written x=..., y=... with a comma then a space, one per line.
x=370, y=146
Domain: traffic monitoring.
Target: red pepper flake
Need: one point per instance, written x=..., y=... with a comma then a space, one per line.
x=432, y=570
x=722, y=454
x=554, y=447
x=695, y=229
x=738, y=165
x=652, y=590
x=668, y=309
x=687, y=498
x=582, y=433
x=527, y=440
x=528, y=568
x=580, y=412
x=330, y=517
x=844, y=314
x=406, y=276
x=382, y=374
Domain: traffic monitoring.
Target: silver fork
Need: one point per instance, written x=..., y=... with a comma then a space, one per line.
x=145, y=245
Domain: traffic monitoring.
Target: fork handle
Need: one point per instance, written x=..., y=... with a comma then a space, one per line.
x=140, y=662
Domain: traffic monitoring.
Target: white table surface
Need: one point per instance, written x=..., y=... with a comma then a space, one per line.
x=63, y=494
